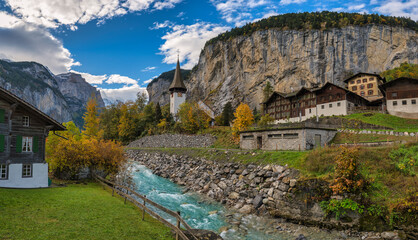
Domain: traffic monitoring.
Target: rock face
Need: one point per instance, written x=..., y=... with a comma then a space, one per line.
x=77, y=93
x=237, y=70
x=158, y=88
x=62, y=97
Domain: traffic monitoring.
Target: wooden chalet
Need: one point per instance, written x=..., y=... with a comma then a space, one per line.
x=23, y=132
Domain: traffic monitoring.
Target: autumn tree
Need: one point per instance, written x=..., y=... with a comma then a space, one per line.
x=409, y=70
x=243, y=119
x=192, y=118
x=91, y=120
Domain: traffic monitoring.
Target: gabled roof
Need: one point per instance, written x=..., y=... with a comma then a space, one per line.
x=274, y=93
x=177, y=83
x=11, y=98
x=363, y=73
x=390, y=83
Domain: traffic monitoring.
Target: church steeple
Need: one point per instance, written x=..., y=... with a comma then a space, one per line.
x=177, y=85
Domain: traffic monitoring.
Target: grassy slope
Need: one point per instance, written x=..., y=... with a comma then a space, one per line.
x=363, y=138
x=73, y=212
x=397, y=123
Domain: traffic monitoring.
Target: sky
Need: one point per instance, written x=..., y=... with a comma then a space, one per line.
x=119, y=46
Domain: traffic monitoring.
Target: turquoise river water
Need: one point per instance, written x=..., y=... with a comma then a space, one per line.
x=202, y=213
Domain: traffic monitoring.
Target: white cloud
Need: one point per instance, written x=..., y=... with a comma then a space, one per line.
x=356, y=7
x=147, y=69
x=166, y=4
x=189, y=40
x=287, y=2
x=126, y=93
x=116, y=78
x=237, y=11
x=54, y=13
x=164, y=24
x=92, y=79
x=399, y=8
x=33, y=44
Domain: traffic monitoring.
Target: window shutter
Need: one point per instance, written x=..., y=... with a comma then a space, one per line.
x=35, y=144
x=2, y=115
x=18, y=144
x=1, y=143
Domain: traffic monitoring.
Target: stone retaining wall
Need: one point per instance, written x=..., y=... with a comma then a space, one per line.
x=174, y=141
x=271, y=189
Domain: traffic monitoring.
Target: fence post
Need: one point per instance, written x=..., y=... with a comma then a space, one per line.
x=143, y=209
x=178, y=226
x=126, y=194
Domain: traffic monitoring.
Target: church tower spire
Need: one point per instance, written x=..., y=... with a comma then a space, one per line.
x=177, y=91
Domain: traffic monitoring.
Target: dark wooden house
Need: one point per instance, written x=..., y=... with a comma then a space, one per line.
x=402, y=97
x=23, y=131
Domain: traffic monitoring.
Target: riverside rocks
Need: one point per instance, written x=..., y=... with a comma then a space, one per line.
x=173, y=141
x=271, y=189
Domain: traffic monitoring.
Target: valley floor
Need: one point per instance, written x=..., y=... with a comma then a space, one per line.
x=77, y=211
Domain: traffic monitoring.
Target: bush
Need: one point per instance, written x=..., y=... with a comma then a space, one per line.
x=405, y=159
x=340, y=207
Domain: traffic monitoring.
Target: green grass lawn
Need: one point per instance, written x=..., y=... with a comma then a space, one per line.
x=386, y=120
x=367, y=138
x=77, y=211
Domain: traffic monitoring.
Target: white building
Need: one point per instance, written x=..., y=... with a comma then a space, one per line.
x=177, y=92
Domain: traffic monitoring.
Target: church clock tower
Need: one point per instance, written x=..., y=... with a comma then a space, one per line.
x=177, y=92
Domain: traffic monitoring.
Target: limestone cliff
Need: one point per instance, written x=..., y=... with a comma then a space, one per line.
x=237, y=69
x=62, y=97
x=77, y=92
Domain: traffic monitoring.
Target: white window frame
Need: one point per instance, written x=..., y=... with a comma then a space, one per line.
x=27, y=144
x=4, y=171
x=26, y=121
x=26, y=170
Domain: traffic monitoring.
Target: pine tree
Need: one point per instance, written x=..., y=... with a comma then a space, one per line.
x=227, y=114
x=158, y=114
x=267, y=91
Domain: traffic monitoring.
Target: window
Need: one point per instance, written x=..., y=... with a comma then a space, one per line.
x=352, y=82
x=413, y=101
x=338, y=96
x=4, y=171
x=330, y=105
x=403, y=102
x=370, y=92
x=322, y=106
x=274, y=136
x=395, y=103
x=26, y=170
x=26, y=121
x=394, y=94
x=371, y=79
x=354, y=88
x=180, y=94
x=248, y=137
x=362, y=93
x=310, y=110
x=361, y=86
x=370, y=85
x=330, y=88
x=290, y=135
x=339, y=104
x=27, y=144
x=364, y=80
x=358, y=81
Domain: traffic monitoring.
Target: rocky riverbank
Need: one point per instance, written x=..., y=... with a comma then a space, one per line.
x=270, y=190
x=173, y=141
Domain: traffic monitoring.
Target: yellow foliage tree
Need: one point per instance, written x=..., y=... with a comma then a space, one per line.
x=91, y=120
x=192, y=117
x=243, y=119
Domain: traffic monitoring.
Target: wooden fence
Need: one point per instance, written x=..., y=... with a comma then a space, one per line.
x=125, y=193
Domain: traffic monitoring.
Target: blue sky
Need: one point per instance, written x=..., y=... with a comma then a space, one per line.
x=120, y=45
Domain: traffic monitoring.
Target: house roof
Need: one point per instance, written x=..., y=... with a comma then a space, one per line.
x=10, y=97
x=177, y=83
x=363, y=73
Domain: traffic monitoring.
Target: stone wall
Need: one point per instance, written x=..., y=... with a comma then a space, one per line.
x=272, y=189
x=174, y=141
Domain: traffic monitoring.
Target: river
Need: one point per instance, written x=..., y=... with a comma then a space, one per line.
x=202, y=213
